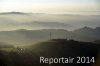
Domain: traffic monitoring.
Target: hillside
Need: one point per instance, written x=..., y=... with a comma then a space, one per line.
x=23, y=36
x=65, y=48
x=5, y=45
x=54, y=48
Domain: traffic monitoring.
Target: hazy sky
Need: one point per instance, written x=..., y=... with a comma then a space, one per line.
x=50, y=6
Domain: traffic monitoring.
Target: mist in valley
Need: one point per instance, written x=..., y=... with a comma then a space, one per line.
x=36, y=21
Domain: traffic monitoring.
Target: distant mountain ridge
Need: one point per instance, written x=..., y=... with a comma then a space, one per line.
x=23, y=36
x=88, y=30
x=86, y=34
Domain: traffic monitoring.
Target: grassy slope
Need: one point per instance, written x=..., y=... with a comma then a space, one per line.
x=65, y=48
x=52, y=48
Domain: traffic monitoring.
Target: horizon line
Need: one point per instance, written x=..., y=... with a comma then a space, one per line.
x=7, y=12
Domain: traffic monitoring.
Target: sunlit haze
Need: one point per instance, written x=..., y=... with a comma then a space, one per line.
x=51, y=6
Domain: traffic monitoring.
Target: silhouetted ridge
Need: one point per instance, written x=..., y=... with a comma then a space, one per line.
x=20, y=13
x=97, y=29
x=85, y=29
x=21, y=30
